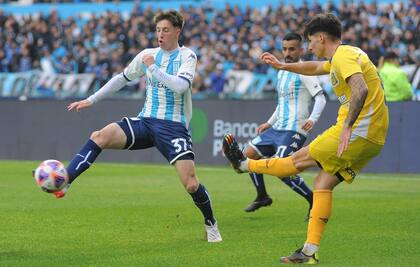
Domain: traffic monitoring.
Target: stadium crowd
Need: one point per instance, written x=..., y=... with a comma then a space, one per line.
x=229, y=38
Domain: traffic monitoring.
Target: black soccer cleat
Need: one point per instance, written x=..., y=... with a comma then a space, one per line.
x=232, y=152
x=298, y=257
x=258, y=203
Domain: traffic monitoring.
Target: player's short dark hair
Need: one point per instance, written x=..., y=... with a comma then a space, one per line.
x=327, y=23
x=390, y=55
x=173, y=16
x=292, y=36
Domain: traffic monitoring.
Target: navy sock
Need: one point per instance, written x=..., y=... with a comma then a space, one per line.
x=83, y=159
x=258, y=181
x=202, y=201
x=299, y=186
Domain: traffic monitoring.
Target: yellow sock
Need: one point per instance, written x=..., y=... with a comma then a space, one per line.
x=320, y=213
x=281, y=167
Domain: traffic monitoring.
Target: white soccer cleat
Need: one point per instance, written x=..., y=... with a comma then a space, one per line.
x=212, y=233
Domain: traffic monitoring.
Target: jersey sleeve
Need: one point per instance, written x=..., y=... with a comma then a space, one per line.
x=327, y=66
x=187, y=68
x=311, y=84
x=348, y=63
x=136, y=68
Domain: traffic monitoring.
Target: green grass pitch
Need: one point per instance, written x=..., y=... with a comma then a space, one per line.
x=140, y=215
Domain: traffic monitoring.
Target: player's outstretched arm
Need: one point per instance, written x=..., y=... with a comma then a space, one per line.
x=305, y=68
x=116, y=83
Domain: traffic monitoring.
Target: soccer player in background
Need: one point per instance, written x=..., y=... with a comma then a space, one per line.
x=343, y=149
x=164, y=119
x=287, y=129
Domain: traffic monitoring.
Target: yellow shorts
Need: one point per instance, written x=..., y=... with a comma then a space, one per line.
x=358, y=154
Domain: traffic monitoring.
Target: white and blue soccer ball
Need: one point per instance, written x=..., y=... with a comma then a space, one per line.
x=51, y=176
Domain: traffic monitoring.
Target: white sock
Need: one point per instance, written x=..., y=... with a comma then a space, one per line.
x=244, y=165
x=310, y=249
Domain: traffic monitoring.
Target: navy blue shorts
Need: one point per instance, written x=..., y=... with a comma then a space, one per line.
x=275, y=143
x=171, y=138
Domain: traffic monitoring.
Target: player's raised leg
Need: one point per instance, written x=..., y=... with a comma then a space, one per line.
x=200, y=196
x=281, y=167
x=109, y=137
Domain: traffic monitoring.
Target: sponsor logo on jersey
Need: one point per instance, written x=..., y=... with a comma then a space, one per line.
x=155, y=83
x=334, y=79
x=290, y=94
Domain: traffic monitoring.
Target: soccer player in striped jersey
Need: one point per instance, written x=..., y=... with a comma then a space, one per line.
x=164, y=119
x=287, y=129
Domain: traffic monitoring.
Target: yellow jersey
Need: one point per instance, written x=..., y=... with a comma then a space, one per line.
x=373, y=120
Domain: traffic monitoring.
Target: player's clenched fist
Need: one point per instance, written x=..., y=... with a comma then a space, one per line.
x=148, y=60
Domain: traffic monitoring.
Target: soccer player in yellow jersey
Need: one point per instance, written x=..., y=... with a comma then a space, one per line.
x=343, y=149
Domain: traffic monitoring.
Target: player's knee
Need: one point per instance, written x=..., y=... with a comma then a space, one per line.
x=302, y=159
x=95, y=136
x=98, y=138
x=192, y=185
x=250, y=153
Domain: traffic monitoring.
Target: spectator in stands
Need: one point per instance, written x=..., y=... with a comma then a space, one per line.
x=395, y=80
x=217, y=78
x=198, y=84
x=3, y=61
x=46, y=62
x=24, y=59
x=66, y=65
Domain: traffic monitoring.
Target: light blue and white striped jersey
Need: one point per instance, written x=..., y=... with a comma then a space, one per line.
x=295, y=98
x=161, y=102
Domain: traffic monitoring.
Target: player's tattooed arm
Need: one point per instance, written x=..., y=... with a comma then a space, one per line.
x=359, y=91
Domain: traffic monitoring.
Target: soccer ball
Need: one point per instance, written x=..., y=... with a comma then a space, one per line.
x=51, y=176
